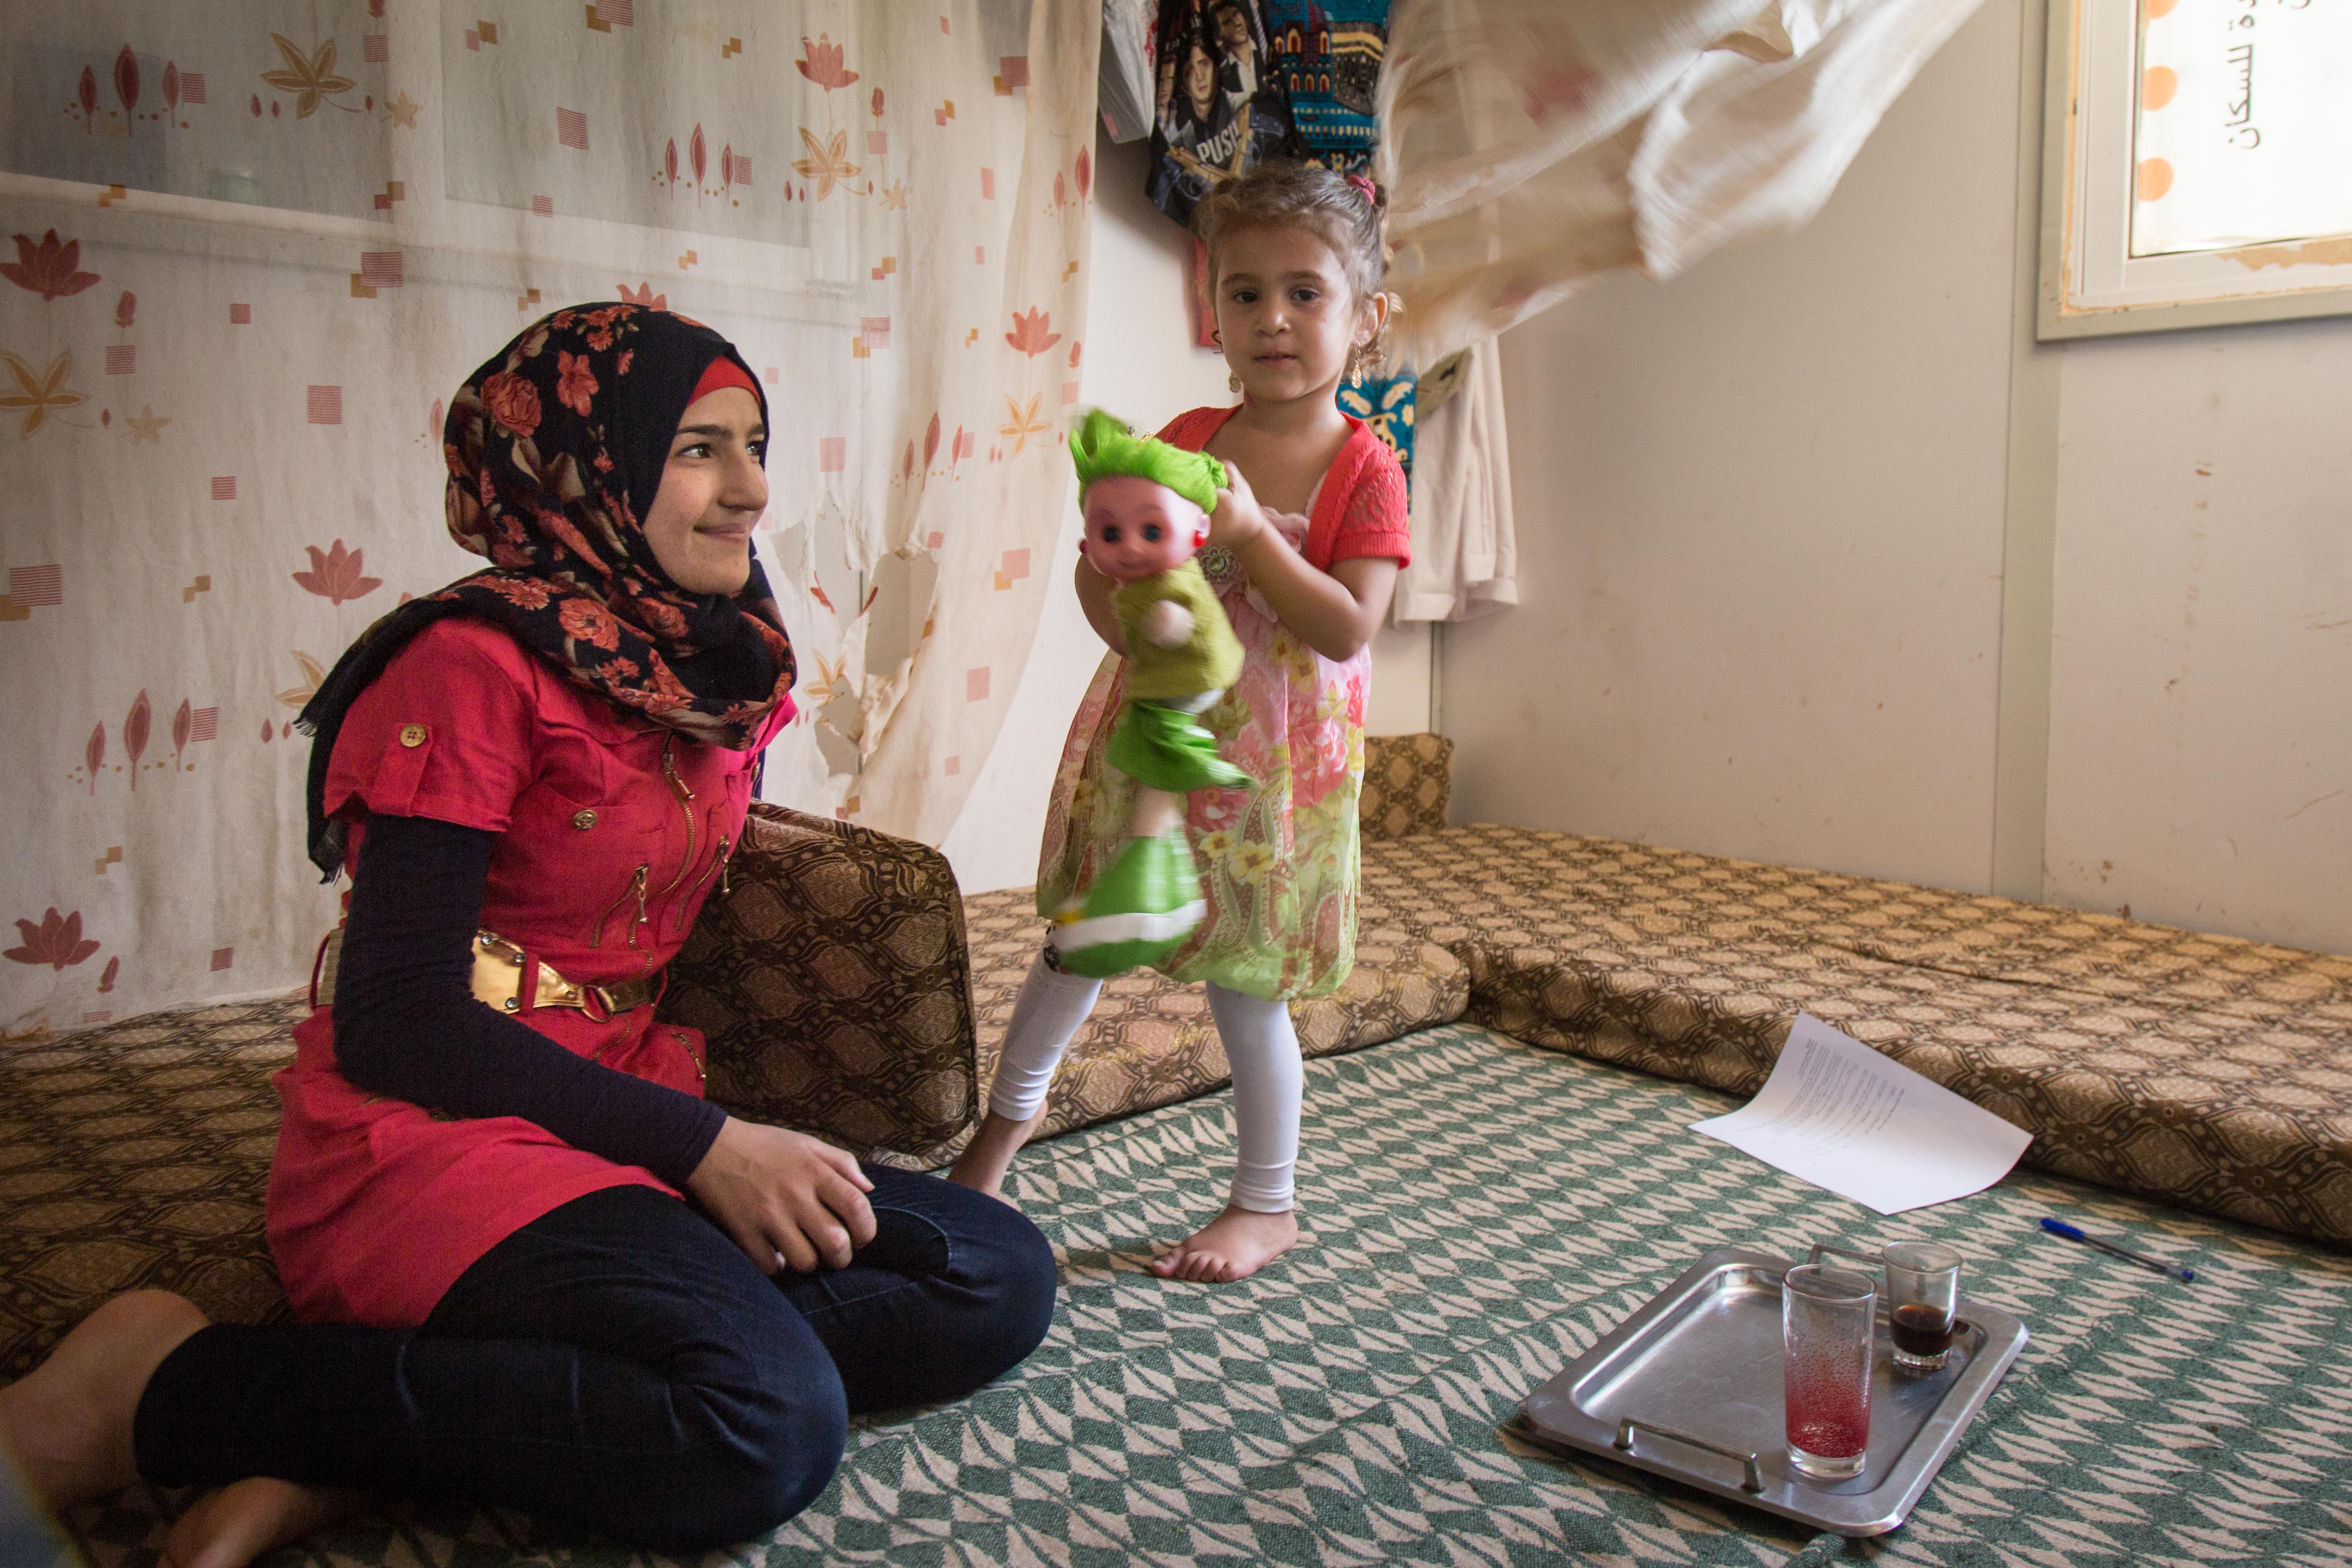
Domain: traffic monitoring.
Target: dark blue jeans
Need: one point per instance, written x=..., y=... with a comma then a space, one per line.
x=620, y=1364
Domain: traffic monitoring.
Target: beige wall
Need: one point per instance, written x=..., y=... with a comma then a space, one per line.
x=1140, y=364
x=1760, y=524
x=1762, y=532
x=2200, y=745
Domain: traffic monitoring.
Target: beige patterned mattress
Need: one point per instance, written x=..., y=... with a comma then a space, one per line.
x=2202, y=1070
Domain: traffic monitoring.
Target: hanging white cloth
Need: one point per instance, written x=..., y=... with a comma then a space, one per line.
x=1124, y=91
x=1528, y=146
x=1465, y=554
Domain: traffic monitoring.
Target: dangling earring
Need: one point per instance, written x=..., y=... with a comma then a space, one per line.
x=1235, y=382
x=1355, y=365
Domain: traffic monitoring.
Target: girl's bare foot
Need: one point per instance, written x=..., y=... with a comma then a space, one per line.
x=231, y=1527
x=984, y=1160
x=68, y=1422
x=1234, y=1245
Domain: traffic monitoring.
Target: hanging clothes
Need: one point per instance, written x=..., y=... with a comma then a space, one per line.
x=1327, y=56
x=1218, y=108
x=1464, y=548
x=1124, y=89
x=1384, y=403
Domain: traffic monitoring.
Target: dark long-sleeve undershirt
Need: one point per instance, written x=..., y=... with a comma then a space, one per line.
x=408, y=1024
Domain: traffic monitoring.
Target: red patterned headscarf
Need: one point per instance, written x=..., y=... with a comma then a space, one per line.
x=555, y=449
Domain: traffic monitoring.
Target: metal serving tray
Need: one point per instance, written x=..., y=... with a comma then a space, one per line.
x=1689, y=1387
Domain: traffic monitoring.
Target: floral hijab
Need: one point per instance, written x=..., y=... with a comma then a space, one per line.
x=556, y=448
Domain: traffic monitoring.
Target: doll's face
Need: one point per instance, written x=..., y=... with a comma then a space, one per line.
x=1136, y=529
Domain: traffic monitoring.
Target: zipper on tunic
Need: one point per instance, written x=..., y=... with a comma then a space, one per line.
x=718, y=868
x=685, y=794
x=636, y=890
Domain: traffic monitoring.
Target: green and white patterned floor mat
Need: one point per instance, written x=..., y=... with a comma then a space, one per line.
x=1479, y=1213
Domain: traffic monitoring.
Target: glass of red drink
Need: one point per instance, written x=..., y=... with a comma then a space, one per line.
x=1923, y=1299
x=1827, y=1319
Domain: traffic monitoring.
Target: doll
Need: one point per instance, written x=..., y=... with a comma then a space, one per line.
x=1147, y=508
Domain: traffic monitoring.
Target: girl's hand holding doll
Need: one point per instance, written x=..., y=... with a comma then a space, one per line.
x=1336, y=612
x=1238, y=522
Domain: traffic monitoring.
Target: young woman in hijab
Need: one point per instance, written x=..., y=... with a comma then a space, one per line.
x=481, y=1213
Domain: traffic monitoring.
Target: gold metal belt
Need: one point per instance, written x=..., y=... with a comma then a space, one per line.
x=498, y=980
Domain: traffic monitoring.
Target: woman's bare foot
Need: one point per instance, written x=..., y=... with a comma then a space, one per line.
x=984, y=1160
x=1234, y=1245
x=231, y=1527
x=68, y=1422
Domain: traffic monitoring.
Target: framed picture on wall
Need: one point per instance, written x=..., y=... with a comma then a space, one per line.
x=2197, y=165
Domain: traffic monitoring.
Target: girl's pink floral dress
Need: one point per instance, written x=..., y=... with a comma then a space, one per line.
x=1277, y=861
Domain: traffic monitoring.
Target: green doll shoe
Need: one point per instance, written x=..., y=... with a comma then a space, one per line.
x=1138, y=915
x=1168, y=749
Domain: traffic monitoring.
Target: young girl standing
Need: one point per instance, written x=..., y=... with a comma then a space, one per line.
x=1304, y=554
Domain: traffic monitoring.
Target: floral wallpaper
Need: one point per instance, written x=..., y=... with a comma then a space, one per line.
x=246, y=250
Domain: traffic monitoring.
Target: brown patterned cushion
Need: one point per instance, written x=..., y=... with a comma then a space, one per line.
x=2203, y=1071
x=134, y=1156
x=1408, y=784
x=1151, y=1041
x=833, y=985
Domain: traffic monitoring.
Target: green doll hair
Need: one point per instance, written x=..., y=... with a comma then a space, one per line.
x=1101, y=447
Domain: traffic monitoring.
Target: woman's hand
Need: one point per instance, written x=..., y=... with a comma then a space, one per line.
x=785, y=1198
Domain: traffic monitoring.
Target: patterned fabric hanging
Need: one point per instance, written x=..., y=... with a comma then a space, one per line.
x=1218, y=108
x=1386, y=404
x=1327, y=55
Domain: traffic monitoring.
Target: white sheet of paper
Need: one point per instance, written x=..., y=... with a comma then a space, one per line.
x=1837, y=1114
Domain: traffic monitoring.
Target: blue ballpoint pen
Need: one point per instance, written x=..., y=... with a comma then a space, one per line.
x=2060, y=1228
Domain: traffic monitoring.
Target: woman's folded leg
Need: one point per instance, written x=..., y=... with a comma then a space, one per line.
x=617, y=1363
x=955, y=1288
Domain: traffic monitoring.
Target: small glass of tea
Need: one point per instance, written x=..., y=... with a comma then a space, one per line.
x=1923, y=1299
x=1826, y=1320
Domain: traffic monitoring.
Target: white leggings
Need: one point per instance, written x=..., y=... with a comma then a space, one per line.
x=1268, y=1079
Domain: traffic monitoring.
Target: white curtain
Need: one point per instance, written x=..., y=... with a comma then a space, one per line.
x=255, y=246
x=1531, y=145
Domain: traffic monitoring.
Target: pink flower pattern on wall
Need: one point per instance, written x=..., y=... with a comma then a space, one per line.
x=822, y=62
x=135, y=725
x=335, y=574
x=47, y=267
x=1030, y=333
x=56, y=941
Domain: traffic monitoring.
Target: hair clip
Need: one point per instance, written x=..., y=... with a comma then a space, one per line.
x=1365, y=188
